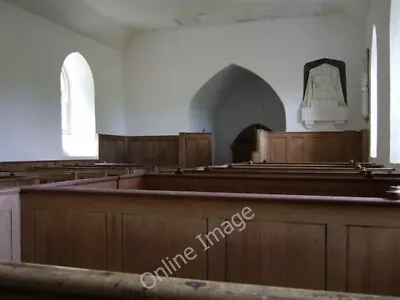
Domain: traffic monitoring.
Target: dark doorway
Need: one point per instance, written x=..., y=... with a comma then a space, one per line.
x=245, y=143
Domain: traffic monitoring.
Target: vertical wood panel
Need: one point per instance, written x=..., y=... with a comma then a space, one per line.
x=278, y=149
x=49, y=230
x=374, y=260
x=365, y=144
x=336, y=257
x=112, y=148
x=196, y=149
x=216, y=255
x=295, y=149
x=317, y=147
x=5, y=235
x=287, y=254
x=114, y=241
x=88, y=241
x=164, y=239
x=153, y=150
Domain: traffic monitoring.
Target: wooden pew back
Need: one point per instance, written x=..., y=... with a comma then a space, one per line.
x=311, y=242
x=272, y=184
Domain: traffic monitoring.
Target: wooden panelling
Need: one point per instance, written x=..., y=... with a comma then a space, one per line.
x=275, y=184
x=85, y=232
x=165, y=245
x=50, y=237
x=374, y=260
x=185, y=149
x=278, y=149
x=365, y=133
x=9, y=226
x=22, y=166
x=195, y=149
x=88, y=235
x=305, y=147
x=343, y=244
x=112, y=148
x=18, y=181
x=153, y=150
x=5, y=234
x=278, y=263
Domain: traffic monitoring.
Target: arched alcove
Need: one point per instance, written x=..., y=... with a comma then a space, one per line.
x=231, y=100
x=245, y=143
x=78, y=120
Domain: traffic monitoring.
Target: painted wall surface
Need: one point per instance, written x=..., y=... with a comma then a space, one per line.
x=380, y=16
x=32, y=51
x=164, y=70
x=394, y=82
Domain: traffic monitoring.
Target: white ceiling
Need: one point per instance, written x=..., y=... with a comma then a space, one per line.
x=115, y=22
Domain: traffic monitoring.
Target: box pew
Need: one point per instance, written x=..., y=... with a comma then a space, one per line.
x=345, y=244
x=368, y=172
x=31, y=281
x=58, y=175
x=301, y=168
x=327, y=164
x=106, y=171
x=294, y=184
x=10, y=247
x=10, y=211
x=8, y=181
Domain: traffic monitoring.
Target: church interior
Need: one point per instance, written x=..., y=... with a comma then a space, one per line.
x=199, y=149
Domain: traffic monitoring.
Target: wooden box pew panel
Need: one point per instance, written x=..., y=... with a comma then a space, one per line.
x=22, y=166
x=349, y=164
x=10, y=212
x=363, y=171
x=264, y=184
x=12, y=181
x=105, y=171
x=59, y=175
x=299, y=168
x=31, y=281
x=346, y=244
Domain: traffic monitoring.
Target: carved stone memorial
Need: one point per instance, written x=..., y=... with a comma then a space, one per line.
x=325, y=99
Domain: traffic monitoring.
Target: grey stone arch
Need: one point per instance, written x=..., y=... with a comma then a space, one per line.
x=230, y=101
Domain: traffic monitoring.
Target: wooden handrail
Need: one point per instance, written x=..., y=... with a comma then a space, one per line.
x=21, y=278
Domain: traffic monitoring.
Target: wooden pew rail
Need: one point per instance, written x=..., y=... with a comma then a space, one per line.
x=30, y=281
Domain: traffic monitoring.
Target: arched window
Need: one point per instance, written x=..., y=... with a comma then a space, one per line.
x=374, y=96
x=65, y=103
x=394, y=82
x=78, y=120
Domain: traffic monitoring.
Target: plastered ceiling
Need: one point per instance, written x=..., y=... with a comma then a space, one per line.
x=115, y=22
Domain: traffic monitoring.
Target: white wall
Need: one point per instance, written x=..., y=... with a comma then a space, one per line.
x=380, y=16
x=394, y=82
x=164, y=70
x=32, y=51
